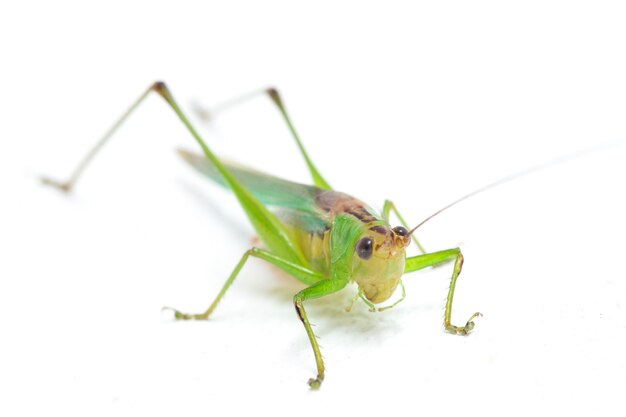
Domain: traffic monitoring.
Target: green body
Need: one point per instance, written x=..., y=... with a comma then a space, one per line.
x=324, y=226
x=323, y=238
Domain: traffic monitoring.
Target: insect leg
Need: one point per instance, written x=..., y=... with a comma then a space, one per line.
x=301, y=273
x=321, y=289
x=269, y=228
x=388, y=206
x=418, y=262
x=274, y=95
x=68, y=185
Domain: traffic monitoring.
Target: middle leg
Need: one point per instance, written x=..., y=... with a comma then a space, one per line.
x=297, y=271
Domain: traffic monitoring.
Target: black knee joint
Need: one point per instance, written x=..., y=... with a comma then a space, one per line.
x=299, y=311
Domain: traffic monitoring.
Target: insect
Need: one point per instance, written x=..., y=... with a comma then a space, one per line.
x=324, y=238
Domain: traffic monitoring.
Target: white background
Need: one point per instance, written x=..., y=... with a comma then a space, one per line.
x=417, y=102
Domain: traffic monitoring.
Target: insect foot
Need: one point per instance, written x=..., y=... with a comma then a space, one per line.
x=66, y=187
x=184, y=316
x=463, y=330
x=316, y=383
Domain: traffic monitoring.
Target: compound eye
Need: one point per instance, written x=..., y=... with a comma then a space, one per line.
x=400, y=231
x=364, y=248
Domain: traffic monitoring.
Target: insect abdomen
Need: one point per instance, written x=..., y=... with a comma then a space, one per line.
x=316, y=248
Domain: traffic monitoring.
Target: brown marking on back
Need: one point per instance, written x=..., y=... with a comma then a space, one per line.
x=362, y=214
x=379, y=229
x=338, y=203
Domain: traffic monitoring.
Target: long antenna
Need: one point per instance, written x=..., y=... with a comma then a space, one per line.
x=524, y=172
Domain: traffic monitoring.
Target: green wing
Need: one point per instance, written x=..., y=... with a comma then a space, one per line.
x=270, y=190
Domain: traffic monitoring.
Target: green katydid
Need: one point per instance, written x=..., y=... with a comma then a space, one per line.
x=324, y=238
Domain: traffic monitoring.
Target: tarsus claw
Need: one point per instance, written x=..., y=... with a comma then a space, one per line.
x=469, y=326
x=315, y=383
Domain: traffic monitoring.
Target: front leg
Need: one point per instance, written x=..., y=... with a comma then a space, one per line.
x=321, y=289
x=418, y=262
